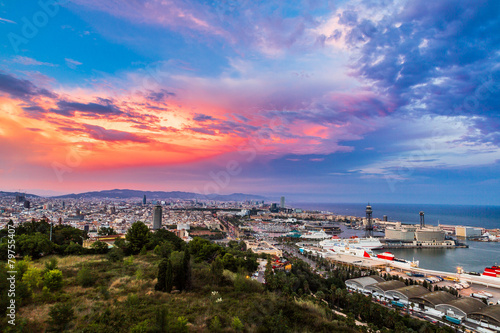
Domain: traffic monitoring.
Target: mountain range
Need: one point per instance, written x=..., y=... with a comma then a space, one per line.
x=159, y=195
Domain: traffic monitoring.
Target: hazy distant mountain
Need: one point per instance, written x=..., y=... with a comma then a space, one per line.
x=160, y=195
x=13, y=194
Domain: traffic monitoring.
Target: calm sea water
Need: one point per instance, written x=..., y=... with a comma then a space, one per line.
x=475, y=258
x=475, y=216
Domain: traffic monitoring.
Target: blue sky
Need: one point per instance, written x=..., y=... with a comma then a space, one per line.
x=344, y=101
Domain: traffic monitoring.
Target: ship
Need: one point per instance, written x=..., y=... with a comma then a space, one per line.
x=316, y=235
x=493, y=271
x=352, y=250
x=370, y=243
x=400, y=262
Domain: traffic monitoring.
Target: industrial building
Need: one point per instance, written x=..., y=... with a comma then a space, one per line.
x=404, y=294
x=461, y=307
x=468, y=232
x=379, y=289
x=359, y=284
x=400, y=233
x=488, y=317
x=431, y=300
x=438, y=303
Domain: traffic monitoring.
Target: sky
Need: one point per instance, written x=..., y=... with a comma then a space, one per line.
x=327, y=101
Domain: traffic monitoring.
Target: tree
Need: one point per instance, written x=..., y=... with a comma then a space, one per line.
x=115, y=255
x=164, y=249
x=99, y=247
x=73, y=248
x=138, y=236
x=61, y=315
x=217, y=270
x=169, y=277
x=162, y=275
x=33, y=278
x=85, y=278
x=105, y=231
x=186, y=270
x=34, y=245
x=53, y=280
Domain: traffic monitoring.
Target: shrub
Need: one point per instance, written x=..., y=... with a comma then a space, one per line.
x=115, y=255
x=74, y=248
x=61, y=315
x=33, y=278
x=53, y=280
x=215, y=324
x=85, y=278
x=50, y=265
x=236, y=324
x=99, y=247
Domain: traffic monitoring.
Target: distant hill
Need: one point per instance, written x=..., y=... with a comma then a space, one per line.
x=160, y=195
x=13, y=194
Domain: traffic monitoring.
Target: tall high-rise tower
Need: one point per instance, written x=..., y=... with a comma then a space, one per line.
x=422, y=221
x=282, y=202
x=369, y=225
x=157, y=214
x=144, y=200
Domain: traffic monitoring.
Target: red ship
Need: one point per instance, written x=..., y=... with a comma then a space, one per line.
x=493, y=271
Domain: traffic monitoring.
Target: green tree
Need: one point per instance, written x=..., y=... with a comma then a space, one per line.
x=50, y=265
x=137, y=236
x=164, y=249
x=169, y=277
x=34, y=245
x=53, y=280
x=186, y=270
x=74, y=249
x=33, y=278
x=162, y=275
x=105, y=231
x=115, y=254
x=217, y=270
x=61, y=315
x=85, y=277
x=99, y=247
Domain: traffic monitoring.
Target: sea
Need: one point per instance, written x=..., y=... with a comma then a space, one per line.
x=475, y=258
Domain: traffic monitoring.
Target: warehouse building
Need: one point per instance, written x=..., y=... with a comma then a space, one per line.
x=461, y=307
x=379, y=289
x=359, y=284
x=488, y=317
x=431, y=300
x=404, y=294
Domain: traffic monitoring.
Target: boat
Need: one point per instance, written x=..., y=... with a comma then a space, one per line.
x=316, y=235
x=370, y=243
x=352, y=250
x=493, y=271
x=400, y=262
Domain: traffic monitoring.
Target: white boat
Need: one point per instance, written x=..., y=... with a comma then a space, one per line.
x=316, y=235
x=352, y=250
x=369, y=243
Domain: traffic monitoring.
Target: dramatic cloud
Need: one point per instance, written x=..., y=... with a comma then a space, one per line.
x=302, y=95
x=22, y=89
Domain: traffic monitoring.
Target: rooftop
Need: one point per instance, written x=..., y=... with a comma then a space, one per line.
x=434, y=298
x=492, y=312
x=411, y=291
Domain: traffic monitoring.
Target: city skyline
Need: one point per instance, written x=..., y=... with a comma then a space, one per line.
x=346, y=101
